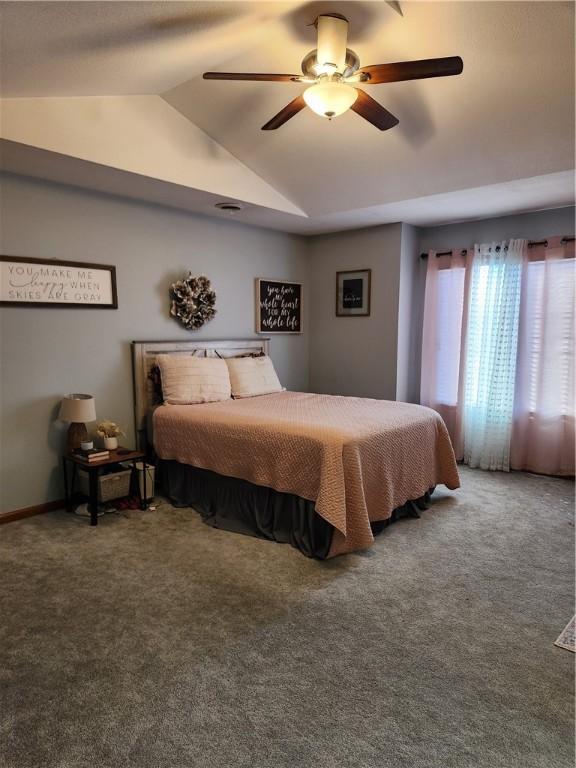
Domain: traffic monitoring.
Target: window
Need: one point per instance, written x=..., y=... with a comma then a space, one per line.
x=549, y=337
x=450, y=305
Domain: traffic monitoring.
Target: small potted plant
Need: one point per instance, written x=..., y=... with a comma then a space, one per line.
x=110, y=432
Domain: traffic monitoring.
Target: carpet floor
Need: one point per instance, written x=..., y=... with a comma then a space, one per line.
x=154, y=641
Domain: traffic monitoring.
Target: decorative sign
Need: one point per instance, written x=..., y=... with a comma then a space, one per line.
x=41, y=283
x=353, y=293
x=278, y=306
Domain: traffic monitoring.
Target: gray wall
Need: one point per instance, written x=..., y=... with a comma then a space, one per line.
x=532, y=226
x=46, y=353
x=355, y=355
x=379, y=356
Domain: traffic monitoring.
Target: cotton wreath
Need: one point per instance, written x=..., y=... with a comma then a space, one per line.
x=192, y=301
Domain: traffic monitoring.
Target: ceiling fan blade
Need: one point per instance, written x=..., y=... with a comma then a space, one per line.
x=285, y=114
x=395, y=7
x=370, y=110
x=250, y=76
x=413, y=70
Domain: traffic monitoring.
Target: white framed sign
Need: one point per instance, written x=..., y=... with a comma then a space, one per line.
x=41, y=283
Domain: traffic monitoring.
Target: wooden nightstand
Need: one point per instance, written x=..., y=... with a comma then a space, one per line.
x=92, y=469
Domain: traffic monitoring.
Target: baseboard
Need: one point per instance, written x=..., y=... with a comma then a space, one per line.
x=38, y=509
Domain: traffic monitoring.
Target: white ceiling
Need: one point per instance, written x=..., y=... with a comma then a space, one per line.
x=509, y=118
x=117, y=48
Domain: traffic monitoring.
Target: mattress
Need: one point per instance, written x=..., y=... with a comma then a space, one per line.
x=357, y=459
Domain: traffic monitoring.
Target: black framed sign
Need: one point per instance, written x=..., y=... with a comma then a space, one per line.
x=278, y=306
x=353, y=293
x=28, y=282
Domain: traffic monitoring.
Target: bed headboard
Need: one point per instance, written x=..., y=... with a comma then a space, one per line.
x=144, y=355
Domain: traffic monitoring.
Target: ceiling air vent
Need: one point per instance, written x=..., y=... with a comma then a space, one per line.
x=228, y=207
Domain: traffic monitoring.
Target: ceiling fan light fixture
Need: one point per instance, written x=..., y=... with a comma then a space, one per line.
x=330, y=99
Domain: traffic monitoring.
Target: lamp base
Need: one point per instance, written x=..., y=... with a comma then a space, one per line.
x=77, y=433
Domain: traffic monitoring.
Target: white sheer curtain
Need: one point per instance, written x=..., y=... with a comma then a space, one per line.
x=491, y=347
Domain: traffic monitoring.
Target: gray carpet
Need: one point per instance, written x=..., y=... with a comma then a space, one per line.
x=154, y=641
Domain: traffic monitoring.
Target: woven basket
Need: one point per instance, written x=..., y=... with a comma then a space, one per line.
x=114, y=485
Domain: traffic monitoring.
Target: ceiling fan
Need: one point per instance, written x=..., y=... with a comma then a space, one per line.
x=331, y=70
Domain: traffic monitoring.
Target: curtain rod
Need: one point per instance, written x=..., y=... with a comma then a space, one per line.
x=531, y=244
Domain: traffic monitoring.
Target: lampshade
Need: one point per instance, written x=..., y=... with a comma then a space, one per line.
x=330, y=99
x=78, y=409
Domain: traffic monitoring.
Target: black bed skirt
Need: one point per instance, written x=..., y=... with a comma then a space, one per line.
x=243, y=507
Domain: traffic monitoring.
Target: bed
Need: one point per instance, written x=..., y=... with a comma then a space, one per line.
x=319, y=471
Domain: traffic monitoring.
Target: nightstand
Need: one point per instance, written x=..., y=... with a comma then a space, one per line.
x=93, y=469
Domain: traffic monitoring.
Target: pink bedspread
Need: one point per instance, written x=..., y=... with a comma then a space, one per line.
x=357, y=459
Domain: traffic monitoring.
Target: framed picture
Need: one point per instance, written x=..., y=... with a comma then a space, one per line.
x=353, y=293
x=28, y=282
x=278, y=306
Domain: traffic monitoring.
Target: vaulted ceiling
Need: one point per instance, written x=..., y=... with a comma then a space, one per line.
x=496, y=139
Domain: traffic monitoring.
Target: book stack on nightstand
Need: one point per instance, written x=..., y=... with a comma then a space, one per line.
x=93, y=454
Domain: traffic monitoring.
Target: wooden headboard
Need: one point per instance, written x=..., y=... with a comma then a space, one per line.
x=144, y=354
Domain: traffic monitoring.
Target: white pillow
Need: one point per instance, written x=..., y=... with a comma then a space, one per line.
x=187, y=379
x=251, y=376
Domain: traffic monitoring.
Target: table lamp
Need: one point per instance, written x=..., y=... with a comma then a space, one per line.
x=77, y=409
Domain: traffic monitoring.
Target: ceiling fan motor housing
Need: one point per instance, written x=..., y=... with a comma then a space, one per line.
x=310, y=64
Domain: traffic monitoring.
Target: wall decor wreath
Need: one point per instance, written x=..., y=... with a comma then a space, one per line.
x=192, y=301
